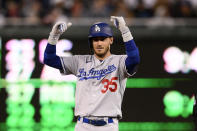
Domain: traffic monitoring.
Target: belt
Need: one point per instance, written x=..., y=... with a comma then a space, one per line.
x=101, y=122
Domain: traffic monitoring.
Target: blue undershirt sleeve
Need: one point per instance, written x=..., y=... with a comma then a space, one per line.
x=50, y=57
x=133, y=58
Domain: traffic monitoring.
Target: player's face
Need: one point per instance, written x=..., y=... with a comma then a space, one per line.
x=101, y=46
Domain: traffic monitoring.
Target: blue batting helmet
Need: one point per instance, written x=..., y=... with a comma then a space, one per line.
x=99, y=29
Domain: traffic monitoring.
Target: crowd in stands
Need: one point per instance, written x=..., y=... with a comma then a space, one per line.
x=47, y=11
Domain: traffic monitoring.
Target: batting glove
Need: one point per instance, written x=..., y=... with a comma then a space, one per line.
x=120, y=23
x=58, y=29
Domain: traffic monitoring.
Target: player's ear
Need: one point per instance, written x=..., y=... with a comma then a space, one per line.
x=111, y=40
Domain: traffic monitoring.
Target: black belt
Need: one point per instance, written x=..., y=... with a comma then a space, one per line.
x=101, y=122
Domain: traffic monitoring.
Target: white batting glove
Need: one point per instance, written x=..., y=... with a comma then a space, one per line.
x=120, y=23
x=58, y=29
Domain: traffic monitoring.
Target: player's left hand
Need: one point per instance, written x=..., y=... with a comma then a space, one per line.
x=118, y=21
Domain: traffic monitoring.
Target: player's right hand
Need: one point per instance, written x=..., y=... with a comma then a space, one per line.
x=58, y=29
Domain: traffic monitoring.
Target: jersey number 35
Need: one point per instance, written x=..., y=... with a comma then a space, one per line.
x=109, y=84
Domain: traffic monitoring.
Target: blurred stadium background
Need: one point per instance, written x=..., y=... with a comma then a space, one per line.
x=34, y=97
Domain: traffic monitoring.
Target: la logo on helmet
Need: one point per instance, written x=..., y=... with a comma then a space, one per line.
x=97, y=28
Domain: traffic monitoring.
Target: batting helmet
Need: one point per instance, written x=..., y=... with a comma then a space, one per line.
x=99, y=29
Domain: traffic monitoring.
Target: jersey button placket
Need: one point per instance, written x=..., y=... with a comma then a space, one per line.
x=91, y=102
x=92, y=93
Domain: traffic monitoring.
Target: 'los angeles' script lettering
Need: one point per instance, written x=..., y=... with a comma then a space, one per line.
x=95, y=74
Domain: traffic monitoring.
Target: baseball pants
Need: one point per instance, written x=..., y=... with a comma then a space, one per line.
x=81, y=126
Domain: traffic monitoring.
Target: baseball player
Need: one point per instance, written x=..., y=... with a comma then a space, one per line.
x=101, y=77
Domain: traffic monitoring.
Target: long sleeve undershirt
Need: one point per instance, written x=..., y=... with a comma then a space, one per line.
x=50, y=57
x=133, y=58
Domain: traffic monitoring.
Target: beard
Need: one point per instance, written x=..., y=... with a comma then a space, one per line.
x=102, y=53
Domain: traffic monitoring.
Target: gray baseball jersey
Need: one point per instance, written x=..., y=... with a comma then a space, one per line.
x=100, y=84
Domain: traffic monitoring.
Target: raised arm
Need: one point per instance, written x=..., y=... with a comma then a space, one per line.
x=133, y=58
x=50, y=57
